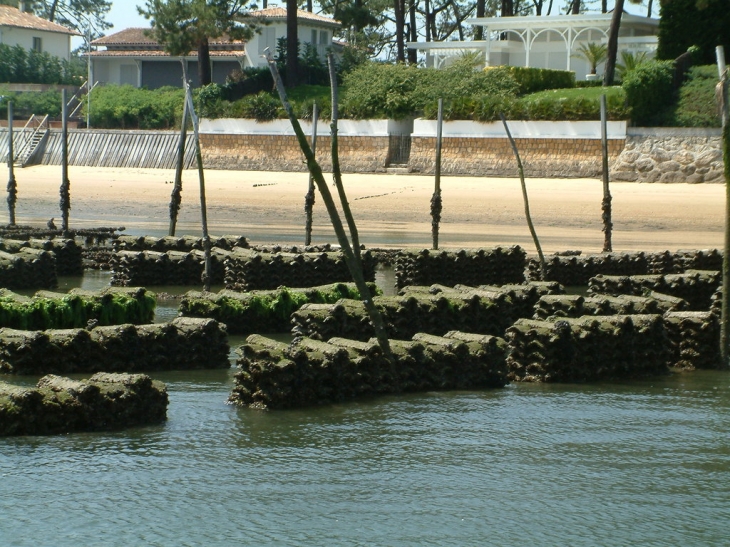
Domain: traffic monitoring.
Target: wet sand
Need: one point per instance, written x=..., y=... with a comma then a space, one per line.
x=390, y=210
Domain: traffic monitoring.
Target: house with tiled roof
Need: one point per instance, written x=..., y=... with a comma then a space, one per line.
x=19, y=28
x=134, y=58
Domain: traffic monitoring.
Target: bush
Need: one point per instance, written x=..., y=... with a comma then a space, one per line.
x=376, y=90
x=126, y=107
x=649, y=91
x=17, y=65
x=531, y=80
x=697, y=106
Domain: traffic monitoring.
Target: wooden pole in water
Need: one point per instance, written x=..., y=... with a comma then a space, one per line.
x=436, y=204
x=725, y=113
x=176, y=196
x=521, y=171
x=65, y=191
x=606, y=204
x=336, y=172
x=309, y=197
x=353, y=264
x=12, y=185
x=201, y=177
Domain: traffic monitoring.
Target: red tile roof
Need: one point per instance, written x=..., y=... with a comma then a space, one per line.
x=137, y=37
x=13, y=17
x=277, y=14
x=162, y=54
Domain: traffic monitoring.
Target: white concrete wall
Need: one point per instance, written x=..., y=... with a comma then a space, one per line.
x=109, y=70
x=521, y=129
x=58, y=45
x=346, y=128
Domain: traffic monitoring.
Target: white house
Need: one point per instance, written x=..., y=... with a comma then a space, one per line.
x=18, y=28
x=131, y=57
x=545, y=41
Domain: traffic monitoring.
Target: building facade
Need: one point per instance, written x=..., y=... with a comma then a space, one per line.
x=19, y=28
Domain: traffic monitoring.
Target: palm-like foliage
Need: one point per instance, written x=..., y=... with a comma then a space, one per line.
x=629, y=61
x=594, y=53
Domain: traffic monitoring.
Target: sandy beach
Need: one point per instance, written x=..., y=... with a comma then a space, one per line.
x=391, y=210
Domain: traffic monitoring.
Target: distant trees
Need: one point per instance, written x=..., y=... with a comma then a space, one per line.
x=182, y=26
x=686, y=23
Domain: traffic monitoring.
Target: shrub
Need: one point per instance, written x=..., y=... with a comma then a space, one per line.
x=127, y=107
x=649, y=91
x=531, y=80
x=697, y=106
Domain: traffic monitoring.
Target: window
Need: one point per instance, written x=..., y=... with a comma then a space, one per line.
x=37, y=44
x=313, y=39
x=324, y=37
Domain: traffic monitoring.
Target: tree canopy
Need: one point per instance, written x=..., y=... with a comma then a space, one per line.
x=182, y=26
x=75, y=14
x=701, y=23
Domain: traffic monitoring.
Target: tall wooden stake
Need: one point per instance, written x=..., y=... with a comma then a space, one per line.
x=436, y=205
x=347, y=251
x=12, y=185
x=725, y=113
x=201, y=177
x=176, y=196
x=309, y=197
x=543, y=270
x=65, y=191
x=336, y=172
x=606, y=203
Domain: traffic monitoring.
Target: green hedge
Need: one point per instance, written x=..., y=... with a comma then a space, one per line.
x=531, y=80
x=697, y=106
x=649, y=91
x=127, y=107
x=18, y=65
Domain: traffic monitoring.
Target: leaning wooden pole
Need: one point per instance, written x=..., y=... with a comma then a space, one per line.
x=176, y=196
x=347, y=252
x=201, y=177
x=724, y=100
x=606, y=203
x=336, y=172
x=543, y=270
x=309, y=197
x=12, y=184
x=436, y=204
x=65, y=191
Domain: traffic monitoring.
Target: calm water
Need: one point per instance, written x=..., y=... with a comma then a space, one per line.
x=636, y=464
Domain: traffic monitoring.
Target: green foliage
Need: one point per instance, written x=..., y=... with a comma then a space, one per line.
x=127, y=107
x=75, y=310
x=686, y=23
x=17, y=65
x=208, y=99
x=377, y=90
x=649, y=91
x=27, y=103
x=697, y=106
x=558, y=104
x=629, y=61
x=595, y=54
x=532, y=80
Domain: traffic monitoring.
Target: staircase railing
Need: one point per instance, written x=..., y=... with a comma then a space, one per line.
x=34, y=127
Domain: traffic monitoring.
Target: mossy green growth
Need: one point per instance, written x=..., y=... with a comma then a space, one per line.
x=262, y=311
x=46, y=311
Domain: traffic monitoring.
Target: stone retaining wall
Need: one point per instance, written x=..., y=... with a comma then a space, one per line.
x=358, y=154
x=494, y=157
x=670, y=155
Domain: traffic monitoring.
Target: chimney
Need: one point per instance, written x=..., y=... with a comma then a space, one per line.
x=21, y=5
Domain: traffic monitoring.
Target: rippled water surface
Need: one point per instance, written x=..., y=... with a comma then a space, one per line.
x=644, y=464
x=640, y=464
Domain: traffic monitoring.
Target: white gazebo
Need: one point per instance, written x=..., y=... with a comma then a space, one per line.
x=544, y=41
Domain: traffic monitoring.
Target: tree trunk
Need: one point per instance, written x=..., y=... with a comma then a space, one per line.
x=292, y=44
x=52, y=11
x=412, y=53
x=12, y=184
x=204, y=74
x=481, y=11
x=507, y=8
x=612, y=50
x=606, y=203
x=400, y=25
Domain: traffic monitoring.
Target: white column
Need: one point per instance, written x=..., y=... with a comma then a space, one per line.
x=570, y=44
x=528, y=47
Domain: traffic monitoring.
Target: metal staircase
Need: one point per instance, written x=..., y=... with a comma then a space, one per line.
x=32, y=137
